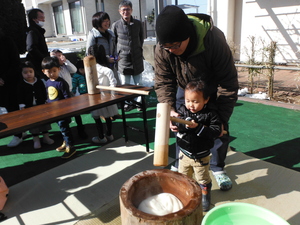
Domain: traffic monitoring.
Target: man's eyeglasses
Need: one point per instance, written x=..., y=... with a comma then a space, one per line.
x=171, y=47
x=125, y=9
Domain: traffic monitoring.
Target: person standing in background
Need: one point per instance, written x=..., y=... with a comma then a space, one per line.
x=35, y=42
x=78, y=79
x=10, y=78
x=100, y=34
x=66, y=67
x=129, y=40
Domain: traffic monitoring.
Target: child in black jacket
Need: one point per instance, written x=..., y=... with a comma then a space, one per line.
x=32, y=91
x=196, y=140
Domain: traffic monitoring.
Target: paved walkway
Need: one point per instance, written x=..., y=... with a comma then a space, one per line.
x=74, y=189
x=273, y=103
x=85, y=190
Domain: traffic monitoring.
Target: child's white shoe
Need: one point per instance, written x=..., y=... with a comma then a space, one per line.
x=98, y=140
x=36, y=142
x=15, y=142
x=48, y=140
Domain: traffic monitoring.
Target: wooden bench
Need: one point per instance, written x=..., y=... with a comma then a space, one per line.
x=22, y=120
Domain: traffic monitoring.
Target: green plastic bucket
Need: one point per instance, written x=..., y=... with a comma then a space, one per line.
x=236, y=213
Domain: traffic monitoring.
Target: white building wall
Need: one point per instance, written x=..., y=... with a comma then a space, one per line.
x=112, y=8
x=49, y=25
x=28, y=4
x=223, y=16
x=268, y=21
x=265, y=20
x=89, y=8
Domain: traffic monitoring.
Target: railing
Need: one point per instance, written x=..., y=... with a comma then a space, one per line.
x=267, y=67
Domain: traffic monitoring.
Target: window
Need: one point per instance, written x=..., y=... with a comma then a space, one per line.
x=76, y=17
x=59, y=19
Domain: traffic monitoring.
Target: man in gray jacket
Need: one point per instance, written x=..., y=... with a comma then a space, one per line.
x=129, y=39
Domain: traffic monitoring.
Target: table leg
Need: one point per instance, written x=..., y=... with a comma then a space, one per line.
x=124, y=121
x=145, y=122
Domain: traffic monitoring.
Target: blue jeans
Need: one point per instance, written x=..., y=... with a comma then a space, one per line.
x=66, y=131
x=219, y=151
x=125, y=79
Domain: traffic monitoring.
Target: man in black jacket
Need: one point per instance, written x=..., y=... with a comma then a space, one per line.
x=191, y=47
x=35, y=43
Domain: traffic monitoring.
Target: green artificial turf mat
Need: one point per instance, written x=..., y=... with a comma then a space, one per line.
x=22, y=162
x=262, y=131
x=266, y=132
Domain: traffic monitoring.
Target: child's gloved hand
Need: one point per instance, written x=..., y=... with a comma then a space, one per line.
x=191, y=126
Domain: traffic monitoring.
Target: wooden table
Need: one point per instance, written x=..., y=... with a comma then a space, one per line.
x=22, y=120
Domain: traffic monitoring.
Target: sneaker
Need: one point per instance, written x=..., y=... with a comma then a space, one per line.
x=139, y=106
x=36, y=142
x=98, y=140
x=62, y=148
x=110, y=138
x=128, y=108
x=37, y=145
x=223, y=181
x=48, y=141
x=24, y=134
x=15, y=142
x=174, y=169
x=115, y=117
x=70, y=150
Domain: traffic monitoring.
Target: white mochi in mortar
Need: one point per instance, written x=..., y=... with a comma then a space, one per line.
x=161, y=204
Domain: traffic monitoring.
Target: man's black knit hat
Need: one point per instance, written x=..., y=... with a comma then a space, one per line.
x=172, y=25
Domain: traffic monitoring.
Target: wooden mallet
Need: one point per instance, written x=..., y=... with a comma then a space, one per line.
x=122, y=89
x=91, y=75
x=162, y=133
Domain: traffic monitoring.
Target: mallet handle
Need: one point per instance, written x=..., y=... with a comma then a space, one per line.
x=134, y=91
x=178, y=120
